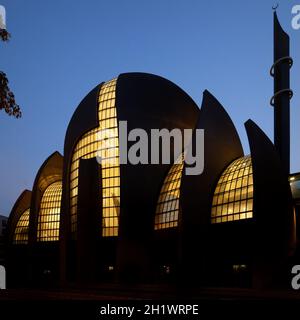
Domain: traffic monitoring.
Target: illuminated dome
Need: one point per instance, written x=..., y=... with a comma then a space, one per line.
x=144, y=101
x=102, y=201
x=46, y=200
x=93, y=144
x=18, y=222
x=49, y=213
x=233, y=196
x=21, y=230
x=232, y=200
x=167, y=210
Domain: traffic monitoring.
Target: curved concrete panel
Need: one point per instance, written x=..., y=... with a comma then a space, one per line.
x=221, y=146
x=273, y=210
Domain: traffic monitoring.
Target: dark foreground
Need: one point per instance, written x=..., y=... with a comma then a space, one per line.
x=147, y=302
x=148, y=293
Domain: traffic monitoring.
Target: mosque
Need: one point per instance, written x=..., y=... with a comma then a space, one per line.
x=235, y=225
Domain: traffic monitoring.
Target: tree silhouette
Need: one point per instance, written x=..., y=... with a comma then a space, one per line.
x=7, y=98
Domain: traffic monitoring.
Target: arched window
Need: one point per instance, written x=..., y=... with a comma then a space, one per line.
x=167, y=209
x=233, y=197
x=102, y=141
x=49, y=213
x=21, y=230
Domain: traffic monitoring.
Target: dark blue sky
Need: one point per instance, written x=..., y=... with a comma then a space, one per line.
x=61, y=49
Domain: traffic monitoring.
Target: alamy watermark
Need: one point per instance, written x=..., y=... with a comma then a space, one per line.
x=156, y=146
x=2, y=278
x=296, y=278
x=2, y=17
x=296, y=18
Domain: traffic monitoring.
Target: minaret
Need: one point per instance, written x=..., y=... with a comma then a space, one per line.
x=282, y=93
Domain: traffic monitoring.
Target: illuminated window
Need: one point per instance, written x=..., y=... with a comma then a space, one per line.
x=239, y=267
x=233, y=197
x=21, y=231
x=167, y=210
x=49, y=214
x=102, y=141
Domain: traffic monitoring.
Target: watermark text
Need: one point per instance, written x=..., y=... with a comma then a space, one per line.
x=2, y=17
x=154, y=146
x=296, y=17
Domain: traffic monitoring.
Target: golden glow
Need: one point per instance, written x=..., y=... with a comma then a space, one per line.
x=45, y=181
x=233, y=197
x=49, y=213
x=167, y=210
x=292, y=178
x=102, y=141
x=21, y=231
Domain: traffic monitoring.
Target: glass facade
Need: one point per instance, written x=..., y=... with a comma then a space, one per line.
x=21, y=230
x=167, y=210
x=49, y=213
x=233, y=197
x=101, y=142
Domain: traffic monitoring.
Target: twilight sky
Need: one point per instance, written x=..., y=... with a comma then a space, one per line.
x=61, y=49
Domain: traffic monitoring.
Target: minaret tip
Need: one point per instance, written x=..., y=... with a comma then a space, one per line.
x=274, y=7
